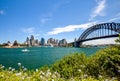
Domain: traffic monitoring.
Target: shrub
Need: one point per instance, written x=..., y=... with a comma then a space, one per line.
x=71, y=66
x=105, y=62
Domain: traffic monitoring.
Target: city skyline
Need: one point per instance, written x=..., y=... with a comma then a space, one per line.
x=53, y=19
x=33, y=42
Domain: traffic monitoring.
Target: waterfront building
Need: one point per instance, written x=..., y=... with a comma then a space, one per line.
x=32, y=41
x=52, y=41
x=27, y=42
x=32, y=37
x=8, y=44
x=62, y=42
x=56, y=42
x=15, y=43
x=42, y=41
x=36, y=42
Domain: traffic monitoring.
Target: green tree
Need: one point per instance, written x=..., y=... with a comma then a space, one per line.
x=118, y=40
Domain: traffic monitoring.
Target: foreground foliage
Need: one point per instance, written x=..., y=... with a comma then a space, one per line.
x=102, y=66
x=105, y=64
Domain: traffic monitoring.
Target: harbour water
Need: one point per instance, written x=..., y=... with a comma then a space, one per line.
x=37, y=57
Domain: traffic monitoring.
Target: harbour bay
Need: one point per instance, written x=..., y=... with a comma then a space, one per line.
x=37, y=57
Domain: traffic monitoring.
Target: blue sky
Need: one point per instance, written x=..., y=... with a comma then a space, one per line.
x=53, y=18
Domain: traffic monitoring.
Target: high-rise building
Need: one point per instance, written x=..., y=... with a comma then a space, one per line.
x=42, y=41
x=52, y=41
x=32, y=41
x=63, y=42
x=27, y=42
x=36, y=42
x=32, y=37
x=27, y=39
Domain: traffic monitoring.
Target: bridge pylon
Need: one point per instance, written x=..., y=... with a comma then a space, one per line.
x=77, y=44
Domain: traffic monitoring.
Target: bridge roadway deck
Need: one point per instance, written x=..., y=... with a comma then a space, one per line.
x=78, y=43
x=99, y=38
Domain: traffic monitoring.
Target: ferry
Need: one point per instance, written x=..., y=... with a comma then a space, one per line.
x=25, y=50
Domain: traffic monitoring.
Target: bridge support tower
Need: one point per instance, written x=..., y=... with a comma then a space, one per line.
x=77, y=44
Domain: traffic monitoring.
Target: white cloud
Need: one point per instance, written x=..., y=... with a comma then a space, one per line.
x=36, y=35
x=28, y=30
x=2, y=12
x=44, y=20
x=31, y=31
x=99, y=10
x=49, y=15
x=70, y=28
x=117, y=17
x=113, y=19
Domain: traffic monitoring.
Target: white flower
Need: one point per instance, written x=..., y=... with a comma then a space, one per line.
x=53, y=76
x=79, y=70
x=19, y=64
x=48, y=70
x=24, y=69
x=36, y=70
x=48, y=74
x=2, y=67
x=18, y=74
x=106, y=79
x=113, y=78
x=13, y=69
x=82, y=66
x=118, y=71
x=23, y=77
x=85, y=75
x=2, y=75
x=52, y=79
x=10, y=68
x=56, y=72
x=41, y=76
x=100, y=76
x=41, y=72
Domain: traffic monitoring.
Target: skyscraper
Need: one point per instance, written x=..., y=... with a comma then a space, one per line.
x=52, y=41
x=32, y=41
x=28, y=41
x=42, y=41
x=63, y=42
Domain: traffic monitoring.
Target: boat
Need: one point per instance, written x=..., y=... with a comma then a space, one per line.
x=25, y=50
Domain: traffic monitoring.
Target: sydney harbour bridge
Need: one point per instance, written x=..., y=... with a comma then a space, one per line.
x=98, y=31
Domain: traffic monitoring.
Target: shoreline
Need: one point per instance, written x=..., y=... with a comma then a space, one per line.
x=12, y=47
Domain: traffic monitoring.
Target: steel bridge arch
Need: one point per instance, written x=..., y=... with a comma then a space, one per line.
x=110, y=26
